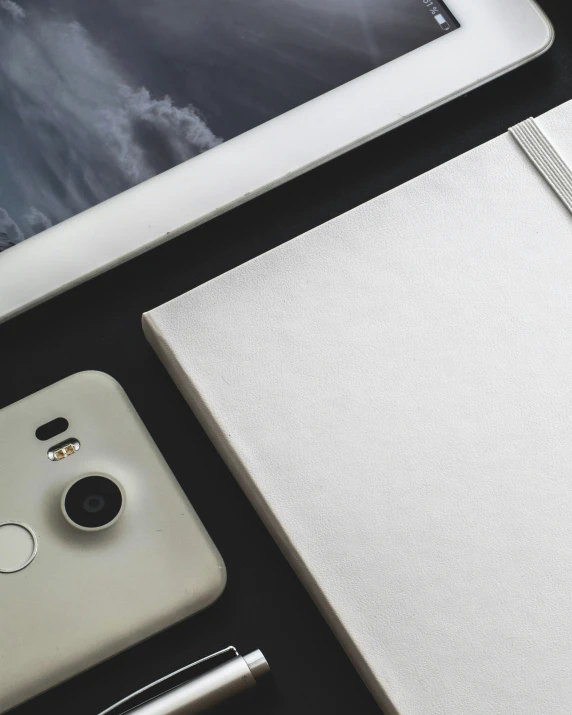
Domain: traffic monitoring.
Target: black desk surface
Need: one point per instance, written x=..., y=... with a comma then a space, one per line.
x=264, y=605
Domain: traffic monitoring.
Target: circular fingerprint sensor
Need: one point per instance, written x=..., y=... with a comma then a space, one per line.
x=18, y=546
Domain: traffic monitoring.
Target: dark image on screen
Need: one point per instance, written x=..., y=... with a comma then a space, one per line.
x=97, y=96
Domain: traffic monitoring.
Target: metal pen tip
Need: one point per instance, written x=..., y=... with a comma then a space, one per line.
x=257, y=663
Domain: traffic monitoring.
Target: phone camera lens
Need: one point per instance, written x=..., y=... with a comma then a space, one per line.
x=94, y=502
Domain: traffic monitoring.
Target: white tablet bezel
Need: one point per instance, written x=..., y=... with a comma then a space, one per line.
x=494, y=38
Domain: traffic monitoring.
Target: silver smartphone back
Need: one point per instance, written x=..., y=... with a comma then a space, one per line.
x=73, y=593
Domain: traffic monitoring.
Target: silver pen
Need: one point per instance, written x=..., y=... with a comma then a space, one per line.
x=197, y=695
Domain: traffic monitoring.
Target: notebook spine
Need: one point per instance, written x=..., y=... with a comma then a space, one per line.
x=232, y=459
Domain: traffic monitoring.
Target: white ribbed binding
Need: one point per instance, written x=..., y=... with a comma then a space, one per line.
x=546, y=158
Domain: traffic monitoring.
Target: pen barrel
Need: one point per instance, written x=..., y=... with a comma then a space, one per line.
x=208, y=690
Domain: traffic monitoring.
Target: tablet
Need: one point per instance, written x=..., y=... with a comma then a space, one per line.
x=125, y=124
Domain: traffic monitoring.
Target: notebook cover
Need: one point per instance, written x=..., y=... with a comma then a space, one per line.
x=393, y=391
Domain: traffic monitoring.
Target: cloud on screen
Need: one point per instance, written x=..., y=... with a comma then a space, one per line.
x=75, y=129
x=13, y=9
x=10, y=232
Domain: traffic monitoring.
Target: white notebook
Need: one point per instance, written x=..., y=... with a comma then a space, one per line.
x=393, y=391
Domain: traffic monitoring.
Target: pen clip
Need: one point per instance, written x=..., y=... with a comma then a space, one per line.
x=134, y=700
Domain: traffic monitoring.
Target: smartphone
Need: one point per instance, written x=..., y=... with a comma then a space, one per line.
x=99, y=546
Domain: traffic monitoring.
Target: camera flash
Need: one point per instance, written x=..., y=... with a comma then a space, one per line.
x=63, y=449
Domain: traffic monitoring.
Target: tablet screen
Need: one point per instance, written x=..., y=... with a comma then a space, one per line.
x=99, y=95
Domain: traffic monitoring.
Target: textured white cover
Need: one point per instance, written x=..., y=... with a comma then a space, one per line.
x=393, y=390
